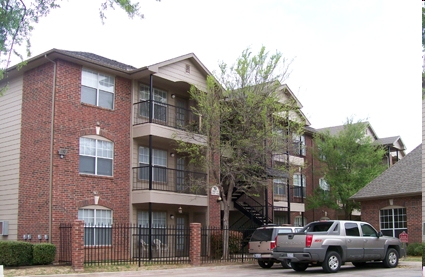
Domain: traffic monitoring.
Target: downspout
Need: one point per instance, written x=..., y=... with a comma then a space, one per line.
x=51, y=148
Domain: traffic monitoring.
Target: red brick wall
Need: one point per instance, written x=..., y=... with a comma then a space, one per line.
x=71, y=190
x=370, y=213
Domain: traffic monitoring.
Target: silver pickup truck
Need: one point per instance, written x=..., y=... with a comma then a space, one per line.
x=333, y=242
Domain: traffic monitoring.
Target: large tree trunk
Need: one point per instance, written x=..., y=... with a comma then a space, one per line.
x=227, y=199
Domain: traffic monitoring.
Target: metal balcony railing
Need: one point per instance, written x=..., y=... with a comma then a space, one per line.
x=165, y=114
x=168, y=179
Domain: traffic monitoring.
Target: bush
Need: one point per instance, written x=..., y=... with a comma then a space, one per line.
x=15, y=253
x=43, y=253
x=414, y=249
x=235, y=240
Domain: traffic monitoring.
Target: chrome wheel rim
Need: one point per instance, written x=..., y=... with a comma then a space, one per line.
x=392, y=258
x=333, y=262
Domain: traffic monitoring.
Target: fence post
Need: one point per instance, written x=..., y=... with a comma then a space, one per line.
x=77, y=240
x=195, y=244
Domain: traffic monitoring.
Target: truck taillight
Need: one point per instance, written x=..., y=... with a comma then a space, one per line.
x=308, y=240
x=272, y=245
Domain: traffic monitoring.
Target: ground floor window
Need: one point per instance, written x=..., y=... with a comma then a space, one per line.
x=97, y=226
x=300, y=221
x=159, y=223
x=393, y=221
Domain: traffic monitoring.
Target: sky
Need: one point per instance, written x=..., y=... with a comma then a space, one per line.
x=358, y=59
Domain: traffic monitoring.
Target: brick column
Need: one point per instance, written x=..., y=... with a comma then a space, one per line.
x=77, y=238
x=195, y=244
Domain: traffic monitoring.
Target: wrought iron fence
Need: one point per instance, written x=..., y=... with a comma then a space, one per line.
x=169, y=179
x=212, y=245
x=165, y=114
x=65, y=246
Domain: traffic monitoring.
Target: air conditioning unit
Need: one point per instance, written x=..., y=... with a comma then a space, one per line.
x=4, y=228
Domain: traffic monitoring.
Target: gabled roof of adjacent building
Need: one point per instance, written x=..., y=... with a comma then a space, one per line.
x=334, y=130
x=402, y=179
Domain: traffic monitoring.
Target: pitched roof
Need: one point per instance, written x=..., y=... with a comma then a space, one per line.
x=402, y=179
x=98, y=59
x=334, y=130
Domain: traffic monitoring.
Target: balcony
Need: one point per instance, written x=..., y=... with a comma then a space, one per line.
x=166, y=115
x=171, y=180
x=295, y=191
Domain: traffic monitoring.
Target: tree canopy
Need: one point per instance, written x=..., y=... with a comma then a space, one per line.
x=244, y=122
x=18, y=17
x=349, y=161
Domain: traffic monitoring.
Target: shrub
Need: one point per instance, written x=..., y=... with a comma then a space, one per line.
x=43, y=253
x=423, y=253
x=235, y=240
x=414, y=249
x=15, y=253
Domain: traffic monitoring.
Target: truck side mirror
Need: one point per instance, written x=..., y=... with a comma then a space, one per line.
x=380, y=234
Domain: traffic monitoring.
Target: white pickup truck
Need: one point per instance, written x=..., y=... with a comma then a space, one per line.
x=333, y=242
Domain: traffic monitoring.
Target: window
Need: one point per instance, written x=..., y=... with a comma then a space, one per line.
x=96, y=156
x=351, y=229
x=299, y=145
x=324, y=186
x=368, y=231
x=159, y=223
x=97, y=89
x=300, y=221
x=97, y=226
x=159, y=162
x=299, y=185
x=393, y=221
x=279, y=186
x=160, y=102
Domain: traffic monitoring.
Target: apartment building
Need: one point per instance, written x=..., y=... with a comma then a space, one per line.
x=84, y=138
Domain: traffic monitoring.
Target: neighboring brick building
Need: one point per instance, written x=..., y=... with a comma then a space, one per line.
x=392, y=202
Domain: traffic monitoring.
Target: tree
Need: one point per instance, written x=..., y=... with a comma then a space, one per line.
x=243, y=121
x=349, y=161
x=17, y=19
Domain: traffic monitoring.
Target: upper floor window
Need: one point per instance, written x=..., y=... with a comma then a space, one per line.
x=324, y=186
x=160, y=102
x=97, y=89
x=97, y=226
x=96, y=156
x=279, y=187
x=159, y=162
x=299, y=144
x=299, y=185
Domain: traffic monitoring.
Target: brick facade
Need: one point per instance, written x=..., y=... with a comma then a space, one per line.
x=72, y=119
x=370, y=213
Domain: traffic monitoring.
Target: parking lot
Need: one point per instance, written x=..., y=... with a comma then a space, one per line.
x=405, y=269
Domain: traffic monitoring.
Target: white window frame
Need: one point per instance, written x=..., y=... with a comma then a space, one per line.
x=324, y=186
x=299, y=140
x=97, y=226
x=298, y=221
x=297, y=185
x=394, y=224
x=159, y=225
x=279, y=186
x=102, y=84
x=100, y=151
x=160, y=102
x=159, y=163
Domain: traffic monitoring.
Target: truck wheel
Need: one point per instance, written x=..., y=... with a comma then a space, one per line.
x=332, y=262
x=286, y=264
x=391, y=258
x=299, y=266
x=265, y=264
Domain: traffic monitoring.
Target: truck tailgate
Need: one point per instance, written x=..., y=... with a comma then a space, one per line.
x=290, y=243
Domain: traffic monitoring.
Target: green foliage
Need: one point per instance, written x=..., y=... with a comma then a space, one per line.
x=216, y=240
x=423, y=27
x=44, y=253
x=349, y=161
x=414, y=249
x=423, y=253
x=15, y=253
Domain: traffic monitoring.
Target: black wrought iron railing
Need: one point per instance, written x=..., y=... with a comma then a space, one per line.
x=169, y=179
x=165, y=114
